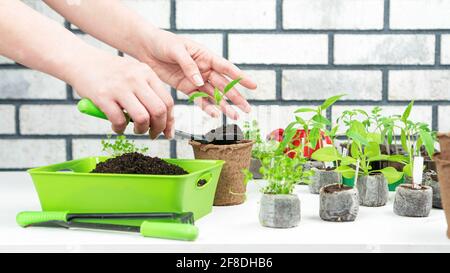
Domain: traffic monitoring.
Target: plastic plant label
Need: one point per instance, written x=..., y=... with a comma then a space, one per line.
x=344, y=152
x=418, y=170
x=329, y=164
x=357, y=171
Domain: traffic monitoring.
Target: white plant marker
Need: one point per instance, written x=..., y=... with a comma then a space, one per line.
x=417, y=171
x=344, y=151
x=356, y=172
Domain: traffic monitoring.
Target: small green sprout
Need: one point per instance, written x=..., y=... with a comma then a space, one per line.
x=120, y=146
x=218, y=96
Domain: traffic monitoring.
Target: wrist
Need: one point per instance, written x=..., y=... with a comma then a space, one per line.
x=144, y=41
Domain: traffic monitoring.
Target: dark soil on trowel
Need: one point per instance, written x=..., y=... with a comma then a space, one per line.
x=136, y=163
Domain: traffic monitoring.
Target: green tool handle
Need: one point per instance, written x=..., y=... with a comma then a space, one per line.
x=28, y=218
x=86, y=106
x=174, y=231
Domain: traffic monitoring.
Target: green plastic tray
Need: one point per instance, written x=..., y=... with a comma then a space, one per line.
x=70, y=186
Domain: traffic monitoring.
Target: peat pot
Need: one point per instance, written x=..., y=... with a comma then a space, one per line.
x=231, y=187
x=338, y=203
x=443, y=167
x=279, y=210
x=323, y=177
x=373, y=190
x=255, y=165
x=413, y=202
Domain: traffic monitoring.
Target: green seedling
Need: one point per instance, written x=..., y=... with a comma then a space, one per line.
x=121, y=145
x=317, y=123
x=365, y=149
x=218, y=96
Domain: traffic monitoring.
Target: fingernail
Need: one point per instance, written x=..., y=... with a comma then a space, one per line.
x=198, y=80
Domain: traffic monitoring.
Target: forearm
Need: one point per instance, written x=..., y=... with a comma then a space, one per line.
x=40, y=43
x=109, y=21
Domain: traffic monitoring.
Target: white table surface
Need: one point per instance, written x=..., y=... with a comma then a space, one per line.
x=229, y=229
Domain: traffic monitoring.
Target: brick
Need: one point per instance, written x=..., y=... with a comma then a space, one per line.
x=444, y=118
x=29, y=84
x=278, y=48
x=337, y=14
x=418, y=114
x=321, y=84
x=213, y=42
x=445, y=49
x=384, y=49
x=419, y=85
x=59, y=120
x=42, y=8
x=7, y=119
x=155, y=11
x=192, y=119
x=266, y=80
x=93, y=147
x=26, y=153
x=270, y=117
x=419, y=14
x=184, y=150
x=226, y=14
x=97, y=43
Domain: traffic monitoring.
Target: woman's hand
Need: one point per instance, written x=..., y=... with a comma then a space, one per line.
x=114, y=83
x=188, y=67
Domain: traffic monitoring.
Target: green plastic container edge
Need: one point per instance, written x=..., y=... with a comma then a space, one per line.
x=351, y=183
x=42, y=170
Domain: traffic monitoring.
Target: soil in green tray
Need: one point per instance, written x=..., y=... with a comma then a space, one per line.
x=136, y=163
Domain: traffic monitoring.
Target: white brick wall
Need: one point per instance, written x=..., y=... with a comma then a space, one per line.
x=384, y=49
x=336, y=14
x=378, y=52
x=419, y=14
x=321, y=84
x=93, y=147
x=26, y=153
x=444, y=118
x=7, y=119
x=226, y=14
x=278, y=49
x=419, y=85
x=155, y=11
x=28, y=84
x=59, y=120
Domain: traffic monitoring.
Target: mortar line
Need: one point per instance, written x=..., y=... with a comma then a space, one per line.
x=173, y=14
x=69, y=148
x=331, y=49
x=173, y=148
x=278, y=85
x=385, y=86
x=279, y=15
x=437, y=50
x=386, y=15
x=435, y=118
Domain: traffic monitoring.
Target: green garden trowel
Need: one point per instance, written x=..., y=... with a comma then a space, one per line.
x=175, y=226
x=228, y=134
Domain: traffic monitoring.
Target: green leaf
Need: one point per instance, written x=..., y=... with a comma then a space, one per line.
x=314, y=136
x=231, y=85
x=372, y=149
x=326, y=154
x=330, y=101
x=407, y=111
x=217, y=96
x=374, y=137
x=346, y=171
x=355, y=150
x=408, y=170
x=197, y=95
x=321, y=119
x=347, y=160
x=356, y=137
x=305, y=110
x=404, y=141
x=391, y=174
x=398, y=158
x=428, y=142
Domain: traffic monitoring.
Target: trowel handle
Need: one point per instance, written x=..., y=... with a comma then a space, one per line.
x=29, y=218
x=86, y=106
x=174, y=231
